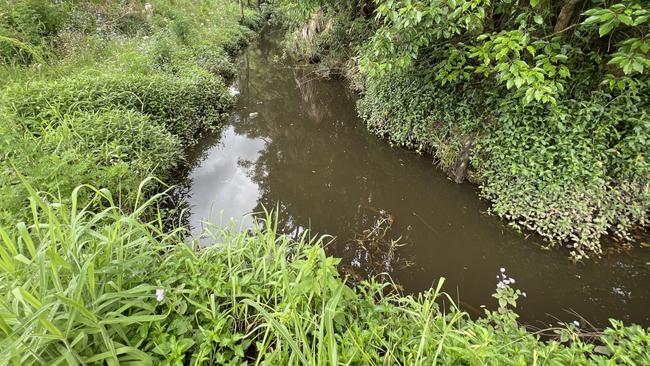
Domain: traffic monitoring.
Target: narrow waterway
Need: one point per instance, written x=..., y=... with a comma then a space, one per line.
x=295, y=142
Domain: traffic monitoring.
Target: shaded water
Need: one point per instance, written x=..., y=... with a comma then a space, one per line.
x=298, y=143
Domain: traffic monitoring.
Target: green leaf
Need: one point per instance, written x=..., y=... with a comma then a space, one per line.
x=607, y=27
x=625, y=19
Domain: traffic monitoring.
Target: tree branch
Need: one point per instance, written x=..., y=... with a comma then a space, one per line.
x=566, y=13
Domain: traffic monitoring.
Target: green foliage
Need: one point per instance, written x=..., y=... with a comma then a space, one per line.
x=128, y=84
x=547, y=102
x=573, y=172
x=475, y=39
x=32, y=24
x=415, y=114
x=75, y=284
x=186, y=105
x=81, y=286
x=111, y=147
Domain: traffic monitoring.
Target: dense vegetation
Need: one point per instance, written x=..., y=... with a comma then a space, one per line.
x=104, y=94
x=109, y=287
x=108, y=93
x=544, y=104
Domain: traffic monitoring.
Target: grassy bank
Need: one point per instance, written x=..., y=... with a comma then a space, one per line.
x=106, y=286
x=552, y=125
x=108, y=93
x=105, y=94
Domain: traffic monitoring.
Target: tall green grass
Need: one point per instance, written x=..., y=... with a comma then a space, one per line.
x=74, y=282
x=82, y=286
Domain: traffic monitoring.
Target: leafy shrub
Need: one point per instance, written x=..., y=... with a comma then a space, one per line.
x=186, y=105
x=253, y=20
x=236, y=39
x=415, y=115
x=573, y=172
x=216, y=61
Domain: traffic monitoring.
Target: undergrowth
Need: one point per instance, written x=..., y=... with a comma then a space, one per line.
x=108, y=93
x=553, y=128
x=82, y=286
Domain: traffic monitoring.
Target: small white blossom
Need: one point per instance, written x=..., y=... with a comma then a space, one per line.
x=502, y=270
x=523, y=294
x=576, y=323
x=160, y=294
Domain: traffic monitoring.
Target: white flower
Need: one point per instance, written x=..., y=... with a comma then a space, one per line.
x=160, y=294
x=523, y=294
x=576, y=323
x=512, y=280
x=502, y=270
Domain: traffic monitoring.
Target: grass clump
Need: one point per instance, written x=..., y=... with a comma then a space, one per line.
x=185, y=105
x=109, y=287
x=118, y=148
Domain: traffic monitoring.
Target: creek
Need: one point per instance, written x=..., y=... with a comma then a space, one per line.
x=295, y=143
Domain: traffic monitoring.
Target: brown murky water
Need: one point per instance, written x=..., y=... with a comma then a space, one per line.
x=297, y=143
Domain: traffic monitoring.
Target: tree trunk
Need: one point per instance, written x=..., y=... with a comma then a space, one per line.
x=241, y=9
x=566, y=14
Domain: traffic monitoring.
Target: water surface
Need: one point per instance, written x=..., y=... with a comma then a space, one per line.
x=296, y=142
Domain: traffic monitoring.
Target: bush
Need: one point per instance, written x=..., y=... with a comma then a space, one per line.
x=186, y=104
x=573, y=172
x=216, y=61
x=415, y=115
x=236, y=39
x=112, y=148
x=253, y=20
